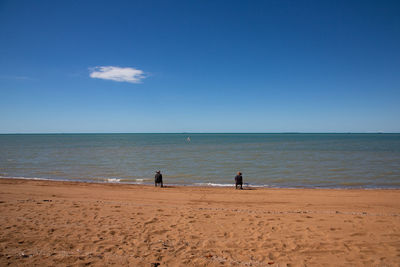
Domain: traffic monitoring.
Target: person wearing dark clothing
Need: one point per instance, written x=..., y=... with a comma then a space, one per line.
x=158, y=179
x=239, y=180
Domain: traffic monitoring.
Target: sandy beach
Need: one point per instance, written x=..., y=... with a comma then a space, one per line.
x=51, y=223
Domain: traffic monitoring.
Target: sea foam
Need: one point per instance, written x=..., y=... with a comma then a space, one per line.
x=113, y=180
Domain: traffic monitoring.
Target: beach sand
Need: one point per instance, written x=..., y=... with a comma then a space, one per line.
x=68, y=223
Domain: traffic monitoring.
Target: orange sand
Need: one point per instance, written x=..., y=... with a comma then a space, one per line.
x=64, y=223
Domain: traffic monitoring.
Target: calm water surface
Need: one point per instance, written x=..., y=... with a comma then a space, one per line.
x=276, y=160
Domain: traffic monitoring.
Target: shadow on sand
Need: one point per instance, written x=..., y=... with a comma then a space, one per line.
x=167, y=186
x=249, y=188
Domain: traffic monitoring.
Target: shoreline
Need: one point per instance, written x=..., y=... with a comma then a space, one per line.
x=204, y=184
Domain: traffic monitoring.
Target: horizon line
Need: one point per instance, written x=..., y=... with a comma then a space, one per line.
x=289, y=132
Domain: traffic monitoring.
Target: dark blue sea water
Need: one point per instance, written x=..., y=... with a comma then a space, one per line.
x=274, y=160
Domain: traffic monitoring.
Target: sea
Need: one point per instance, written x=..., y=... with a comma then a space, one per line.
x=276, y=160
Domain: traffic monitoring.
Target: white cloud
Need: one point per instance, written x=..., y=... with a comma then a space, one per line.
x=130, y=75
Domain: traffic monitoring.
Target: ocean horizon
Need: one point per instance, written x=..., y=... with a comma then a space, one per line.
x=290, y=132
x=282, y=160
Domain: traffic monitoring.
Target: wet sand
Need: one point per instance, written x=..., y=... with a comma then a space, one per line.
x=65, y=223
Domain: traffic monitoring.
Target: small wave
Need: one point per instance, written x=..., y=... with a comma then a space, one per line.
x=128, y=180
x=25, y=178
x=213, y=184
x=135, y=181
x=113, y=180
x=231, y=185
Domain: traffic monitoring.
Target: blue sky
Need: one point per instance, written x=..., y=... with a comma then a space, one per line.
x=199, y=66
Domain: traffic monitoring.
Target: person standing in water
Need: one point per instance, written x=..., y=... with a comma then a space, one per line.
x=158, y=179
x=239, y=180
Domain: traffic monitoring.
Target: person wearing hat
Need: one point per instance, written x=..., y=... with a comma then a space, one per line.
x=239, y=180
x=158, y=179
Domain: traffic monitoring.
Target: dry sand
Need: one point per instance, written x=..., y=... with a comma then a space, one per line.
x=64, y=223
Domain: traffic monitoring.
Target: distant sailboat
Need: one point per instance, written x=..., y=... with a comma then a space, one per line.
x=188, y=139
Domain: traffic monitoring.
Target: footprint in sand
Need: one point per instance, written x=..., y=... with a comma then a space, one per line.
x=159, y=232
x=358, y=234
x=153, y=220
